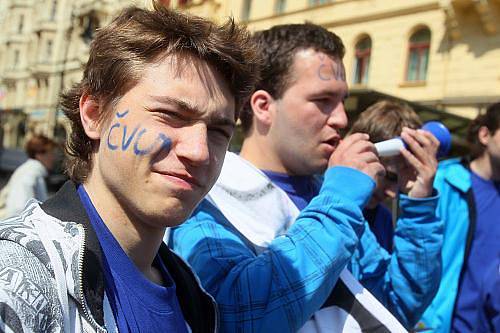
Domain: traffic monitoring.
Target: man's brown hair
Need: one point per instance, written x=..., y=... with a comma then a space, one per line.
x=139, y=37
x=385, y=120
x=277, y=47
x=39, y=144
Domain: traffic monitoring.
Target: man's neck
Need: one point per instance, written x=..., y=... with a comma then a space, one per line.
x=483, y=167
x=262, y=158
x=139, y=241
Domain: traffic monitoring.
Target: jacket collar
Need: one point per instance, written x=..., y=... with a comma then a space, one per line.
x=197, y=306
x=66, y=206
x=458, y=174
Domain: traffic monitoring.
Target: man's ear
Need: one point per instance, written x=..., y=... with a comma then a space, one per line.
x=89, y=115
x=262, y=104
x=483, y=135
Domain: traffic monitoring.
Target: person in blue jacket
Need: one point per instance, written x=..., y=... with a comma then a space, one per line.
x=385, y=120
x=470, y=207
x=271, y=243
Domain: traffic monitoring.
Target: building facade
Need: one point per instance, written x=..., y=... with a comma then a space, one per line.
x=442, y=54
x=43, y=47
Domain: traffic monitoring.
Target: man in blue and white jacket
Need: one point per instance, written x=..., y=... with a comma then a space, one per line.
x=271, y=243
x=151, y=122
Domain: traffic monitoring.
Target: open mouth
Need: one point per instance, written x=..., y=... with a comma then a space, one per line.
x=332, y=142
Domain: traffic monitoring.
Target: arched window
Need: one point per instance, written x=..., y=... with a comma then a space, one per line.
x=20, y=134
x=245, y=10
x=362, y=54
x=279, y=6
x=418, y=55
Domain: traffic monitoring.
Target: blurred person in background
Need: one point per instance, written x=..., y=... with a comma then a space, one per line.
x=470, y=208
x=29, y=179
x=385, y=120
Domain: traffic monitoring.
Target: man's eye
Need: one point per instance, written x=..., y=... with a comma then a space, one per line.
x=322, y=100
x=391, y=176
x=170, y=115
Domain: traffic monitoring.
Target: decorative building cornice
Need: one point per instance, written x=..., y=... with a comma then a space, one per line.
x=484, y=9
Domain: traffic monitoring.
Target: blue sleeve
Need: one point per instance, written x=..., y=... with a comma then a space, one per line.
x=406, y=280
x=283, y=286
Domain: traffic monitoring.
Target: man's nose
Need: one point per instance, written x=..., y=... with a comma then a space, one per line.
x=192, y=145
x=338, y=116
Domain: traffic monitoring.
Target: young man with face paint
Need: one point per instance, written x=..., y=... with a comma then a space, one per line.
x=151, y=121
x=468, y=299
x=271, y=243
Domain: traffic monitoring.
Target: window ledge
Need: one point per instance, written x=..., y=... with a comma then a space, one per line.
x=412, y=84
x=358, y=86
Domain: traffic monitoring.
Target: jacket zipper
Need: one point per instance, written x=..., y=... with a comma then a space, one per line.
x=86, y=311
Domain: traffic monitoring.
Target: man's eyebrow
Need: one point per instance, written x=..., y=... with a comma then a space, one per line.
x=187, y=107
x=330, y=93
x=183, y=105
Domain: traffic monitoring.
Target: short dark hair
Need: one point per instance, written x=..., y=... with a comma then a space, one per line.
x=491, y=120
x=277, y=47
x=138, y=37
x=385, y=120
x=39, y=144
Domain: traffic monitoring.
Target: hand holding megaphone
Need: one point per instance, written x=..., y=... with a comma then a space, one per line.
x=393, y=146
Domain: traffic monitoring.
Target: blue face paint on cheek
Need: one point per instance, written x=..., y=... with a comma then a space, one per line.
x=126, y=142
x=162, y=142
x=123, y=114
x=110, y=145
x=166, y=143
x=161, y=139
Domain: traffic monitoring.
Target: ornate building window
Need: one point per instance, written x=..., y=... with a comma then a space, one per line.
x=362, y=53
x=20, y=26
x=90, y=23
x=48, y=50
x=318, y=2
x=245, y=10
x=418, y=55
x=279, y=6
x=53, y=10
x=15, y=61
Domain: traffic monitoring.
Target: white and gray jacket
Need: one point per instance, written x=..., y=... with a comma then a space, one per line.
x=51, y=277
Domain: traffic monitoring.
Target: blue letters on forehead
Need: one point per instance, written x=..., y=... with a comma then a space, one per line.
x=329, y=72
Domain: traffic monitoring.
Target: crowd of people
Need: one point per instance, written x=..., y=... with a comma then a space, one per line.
x=159, y=229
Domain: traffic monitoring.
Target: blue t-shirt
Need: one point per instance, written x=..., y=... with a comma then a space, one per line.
x=484, y=251
x=300, y=189
x=488, y=305
x=380, y=221
x=138, y=304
